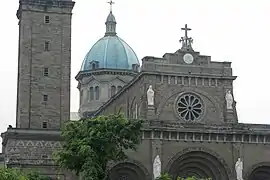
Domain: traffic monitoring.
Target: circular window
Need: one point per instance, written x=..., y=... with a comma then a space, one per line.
x=189, y=107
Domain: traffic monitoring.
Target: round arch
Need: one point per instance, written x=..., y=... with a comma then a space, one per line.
x=128, y=170
x=259, y=171
x=198, y=162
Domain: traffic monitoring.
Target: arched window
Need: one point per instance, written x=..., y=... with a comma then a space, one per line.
x=97, y=92
x=91, y=93
x=113, y=90
x=119, y=88
x=81, y=97
x=93, y=66
x=136, y=111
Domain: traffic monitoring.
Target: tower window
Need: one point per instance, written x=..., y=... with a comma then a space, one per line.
x=47, y=19
x=97, y=92
x=45, y=125
x=46, y=45
x=45, y=97
x=46, y=72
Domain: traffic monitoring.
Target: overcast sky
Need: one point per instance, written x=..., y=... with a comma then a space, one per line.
x=228, y=30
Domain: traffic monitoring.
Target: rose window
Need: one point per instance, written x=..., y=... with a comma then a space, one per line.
x=189, y=107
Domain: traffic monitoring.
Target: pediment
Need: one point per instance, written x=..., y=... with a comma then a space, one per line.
x=89, y=79
x=117, y=78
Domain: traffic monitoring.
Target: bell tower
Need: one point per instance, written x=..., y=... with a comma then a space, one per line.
x=44, y=60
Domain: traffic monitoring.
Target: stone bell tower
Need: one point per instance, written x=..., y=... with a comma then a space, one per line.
x=43, y=95
x=43, y=89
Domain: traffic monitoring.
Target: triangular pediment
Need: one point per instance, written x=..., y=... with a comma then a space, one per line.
x=89, y=79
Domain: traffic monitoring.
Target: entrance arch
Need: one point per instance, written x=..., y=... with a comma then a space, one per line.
x=198, y=162
x=260, y=172
x=128, y=171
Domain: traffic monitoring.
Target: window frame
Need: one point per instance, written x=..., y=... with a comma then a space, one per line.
x=47, y=19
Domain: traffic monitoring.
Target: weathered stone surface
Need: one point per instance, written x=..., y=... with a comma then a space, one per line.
x=43, y=101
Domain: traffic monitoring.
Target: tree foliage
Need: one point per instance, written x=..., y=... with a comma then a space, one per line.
x=167, y=177
x=15, y=174
x=90, y=144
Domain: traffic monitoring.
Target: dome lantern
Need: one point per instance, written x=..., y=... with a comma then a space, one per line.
x=110, y=22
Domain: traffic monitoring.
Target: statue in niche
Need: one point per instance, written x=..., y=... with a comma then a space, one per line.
x=150, y=96
x=229, y=100
x=157, y=167
x=239, y=169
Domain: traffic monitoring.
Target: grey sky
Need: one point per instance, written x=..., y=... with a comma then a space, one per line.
x=228, y=30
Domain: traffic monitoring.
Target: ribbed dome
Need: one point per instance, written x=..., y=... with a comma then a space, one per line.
x=110, y=52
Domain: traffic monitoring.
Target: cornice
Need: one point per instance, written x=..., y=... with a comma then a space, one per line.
x=49, y=3
x=82, y=74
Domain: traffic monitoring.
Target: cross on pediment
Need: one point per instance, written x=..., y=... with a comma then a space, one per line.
x=186, y=29
x=186, y=41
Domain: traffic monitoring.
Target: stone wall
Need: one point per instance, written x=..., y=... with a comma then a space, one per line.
x=44, y=45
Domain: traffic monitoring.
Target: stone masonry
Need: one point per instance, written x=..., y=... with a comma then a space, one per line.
x=44, y=99
x=191, y=126
x=43, y=95
x=205, y=145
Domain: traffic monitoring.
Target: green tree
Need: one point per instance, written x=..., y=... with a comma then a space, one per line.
x=15, y=174
x=164, y=177
x=90, y=144
x=11, y=174
x=36, y=176
x=167, y=177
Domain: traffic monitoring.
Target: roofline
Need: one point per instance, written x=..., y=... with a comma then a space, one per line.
x=100, y=70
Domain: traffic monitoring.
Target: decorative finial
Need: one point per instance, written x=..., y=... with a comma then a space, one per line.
x=186, y=41
x=111, y=4
x=110, y=22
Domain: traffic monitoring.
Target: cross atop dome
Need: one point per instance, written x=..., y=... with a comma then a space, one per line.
x=111, y=4
x=110, y=22
x=186, y=41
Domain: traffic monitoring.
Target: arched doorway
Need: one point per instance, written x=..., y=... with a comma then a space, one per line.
x=199, y=164
x=260, y=173
x=127, y=171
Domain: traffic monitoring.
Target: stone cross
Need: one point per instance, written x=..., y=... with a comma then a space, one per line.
x=186, y=41
x=111, y=3
x=186, y=29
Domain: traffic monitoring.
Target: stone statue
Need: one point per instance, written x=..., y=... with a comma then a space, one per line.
x=157, y=167
x=229, y=99
x=239, y=169
x=150, y=96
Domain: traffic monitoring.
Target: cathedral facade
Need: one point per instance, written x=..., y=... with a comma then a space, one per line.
x=185, y=99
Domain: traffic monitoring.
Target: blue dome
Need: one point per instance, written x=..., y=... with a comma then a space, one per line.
x=110, y=52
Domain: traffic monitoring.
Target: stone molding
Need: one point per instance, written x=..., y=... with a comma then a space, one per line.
x=51, y=3
x=201, y=149
x=241, y=128
x=31, y=134
x=35, y=162
x=198, y=136
x=33, y=143
x=82, y=74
